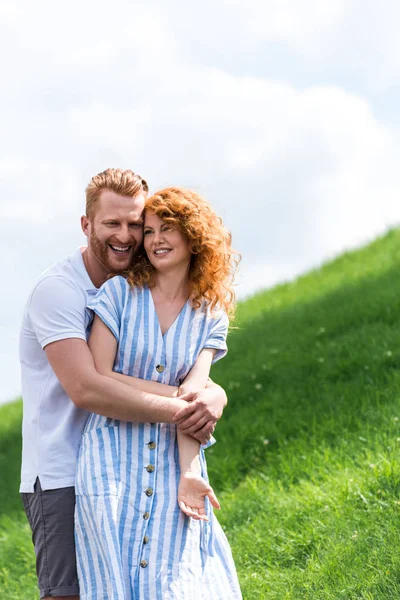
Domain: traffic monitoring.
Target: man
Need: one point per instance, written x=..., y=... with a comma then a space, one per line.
x=60, y=383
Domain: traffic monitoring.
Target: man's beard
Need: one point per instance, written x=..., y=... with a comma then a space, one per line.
x=101, y=249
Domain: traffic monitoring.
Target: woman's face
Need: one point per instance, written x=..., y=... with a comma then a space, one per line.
x=166, y=246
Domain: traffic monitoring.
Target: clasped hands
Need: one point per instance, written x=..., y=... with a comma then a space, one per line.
x=204, y=408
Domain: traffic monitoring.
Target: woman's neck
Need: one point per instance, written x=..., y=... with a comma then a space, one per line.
x=172, y=286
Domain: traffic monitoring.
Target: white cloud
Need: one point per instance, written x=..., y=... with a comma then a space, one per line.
x=297, y=173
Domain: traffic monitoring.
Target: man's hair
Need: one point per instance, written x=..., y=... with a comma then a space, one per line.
x=125, y=183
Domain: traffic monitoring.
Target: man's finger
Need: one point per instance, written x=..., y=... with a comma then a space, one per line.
x=192, y=424
x=203, y=435
x=189, y=397
x=185, y=412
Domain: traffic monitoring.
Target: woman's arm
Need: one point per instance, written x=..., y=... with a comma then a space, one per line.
x=197, y=377
x=192, y=487
x=103, y=347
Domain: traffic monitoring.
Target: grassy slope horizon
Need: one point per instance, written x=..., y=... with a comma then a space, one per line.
x=306, y=465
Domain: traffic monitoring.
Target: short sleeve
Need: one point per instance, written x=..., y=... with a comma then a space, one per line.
x=216, y=338
x=57, y=310
x=108, y=303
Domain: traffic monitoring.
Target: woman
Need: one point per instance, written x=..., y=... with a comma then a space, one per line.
x=145, y=528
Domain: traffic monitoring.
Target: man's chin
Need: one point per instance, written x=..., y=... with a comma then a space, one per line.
x=118, y=265
x=120, y=268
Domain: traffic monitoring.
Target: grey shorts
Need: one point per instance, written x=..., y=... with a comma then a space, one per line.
x=51, y=517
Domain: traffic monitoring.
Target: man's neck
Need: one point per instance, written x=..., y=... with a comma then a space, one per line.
x=97, y=273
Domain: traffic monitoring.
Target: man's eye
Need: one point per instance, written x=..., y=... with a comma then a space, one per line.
x=111, y=223
x=136, y=225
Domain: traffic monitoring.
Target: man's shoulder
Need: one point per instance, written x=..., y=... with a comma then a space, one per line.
x=61, y=269
x=58, y=281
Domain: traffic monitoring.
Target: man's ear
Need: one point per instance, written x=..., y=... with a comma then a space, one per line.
x=85, y=225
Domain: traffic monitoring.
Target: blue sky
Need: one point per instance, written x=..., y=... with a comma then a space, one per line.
x=284, y=114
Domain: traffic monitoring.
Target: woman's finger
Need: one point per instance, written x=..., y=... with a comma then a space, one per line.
x=213, y=499
x=191, y=512
x=200, y=514
x=188, y=397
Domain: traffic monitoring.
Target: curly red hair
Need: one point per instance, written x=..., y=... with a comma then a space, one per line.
x=214, y=262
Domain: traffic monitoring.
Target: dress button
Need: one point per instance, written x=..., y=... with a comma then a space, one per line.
x=146, y=515
x=149, y=492
x=160, y=368
x=143, y=563
x=146, y=539
x=150, y=468
x=151, y=445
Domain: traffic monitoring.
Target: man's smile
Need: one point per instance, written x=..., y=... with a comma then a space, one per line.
x=120, y=250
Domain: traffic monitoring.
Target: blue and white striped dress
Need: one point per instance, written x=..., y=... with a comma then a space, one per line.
x=133, y=542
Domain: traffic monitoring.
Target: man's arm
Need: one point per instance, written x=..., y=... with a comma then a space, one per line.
x=73, y=365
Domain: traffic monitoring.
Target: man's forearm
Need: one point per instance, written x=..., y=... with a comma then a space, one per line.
x=110, y=398
x=144, y=385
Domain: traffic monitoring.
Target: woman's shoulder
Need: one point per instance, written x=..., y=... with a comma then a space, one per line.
x=209, y=313
x=117, y=287
x=117, y=282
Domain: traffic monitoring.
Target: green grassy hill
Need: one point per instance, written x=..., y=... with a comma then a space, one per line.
x=306, y=466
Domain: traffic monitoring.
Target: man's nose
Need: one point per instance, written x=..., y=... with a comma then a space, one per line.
x=124, y=235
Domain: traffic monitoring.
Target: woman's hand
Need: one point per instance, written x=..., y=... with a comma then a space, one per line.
x=188, y=391
x=192, y=491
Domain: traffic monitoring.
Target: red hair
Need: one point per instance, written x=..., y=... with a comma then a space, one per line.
x=213, y=264
x=124, y=183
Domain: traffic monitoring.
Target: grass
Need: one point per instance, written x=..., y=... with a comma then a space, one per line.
x=17, y=564
x=306, y=466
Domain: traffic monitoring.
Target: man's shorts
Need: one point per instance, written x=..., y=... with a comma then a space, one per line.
x=51, y=517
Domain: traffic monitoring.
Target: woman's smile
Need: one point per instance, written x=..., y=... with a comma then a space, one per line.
x=162, y=251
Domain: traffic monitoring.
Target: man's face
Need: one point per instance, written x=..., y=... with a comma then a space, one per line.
x=115, y=231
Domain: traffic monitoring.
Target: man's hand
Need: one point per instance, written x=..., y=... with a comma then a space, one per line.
x=200, y=416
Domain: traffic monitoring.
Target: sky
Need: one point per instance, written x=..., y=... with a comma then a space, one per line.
x=282, y=113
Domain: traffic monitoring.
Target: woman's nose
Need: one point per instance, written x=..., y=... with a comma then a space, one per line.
x=157, y=237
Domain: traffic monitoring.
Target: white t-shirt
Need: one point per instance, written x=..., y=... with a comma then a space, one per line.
x=52, y=424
